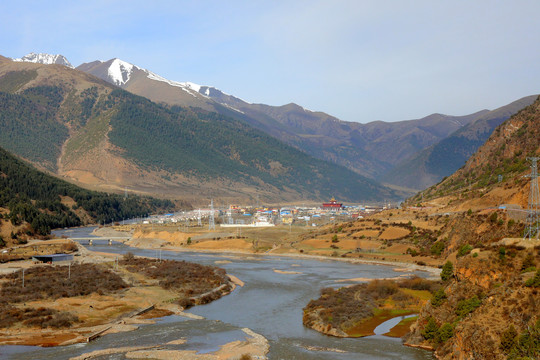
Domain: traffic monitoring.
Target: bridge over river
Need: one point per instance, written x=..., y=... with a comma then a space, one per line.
x=94, y=239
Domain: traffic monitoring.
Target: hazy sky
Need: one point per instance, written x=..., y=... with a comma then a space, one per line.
x=357, y=60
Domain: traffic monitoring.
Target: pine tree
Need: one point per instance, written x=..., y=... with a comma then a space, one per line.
x=447, y=271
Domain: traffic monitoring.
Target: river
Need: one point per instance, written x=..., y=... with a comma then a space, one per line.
x=270, y=304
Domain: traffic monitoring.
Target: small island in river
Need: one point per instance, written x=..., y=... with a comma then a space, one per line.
x=356, y=311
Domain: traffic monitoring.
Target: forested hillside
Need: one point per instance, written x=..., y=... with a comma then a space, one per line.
x=33, y=203
x=213, y=146
x=80, y=127
x=28, y=125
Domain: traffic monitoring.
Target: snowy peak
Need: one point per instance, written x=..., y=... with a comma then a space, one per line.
x=46, y=59
x=119, y=72
x=126, y=75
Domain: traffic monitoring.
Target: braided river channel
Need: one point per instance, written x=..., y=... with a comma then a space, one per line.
x=270, y=303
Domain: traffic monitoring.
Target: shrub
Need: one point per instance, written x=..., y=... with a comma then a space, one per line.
x=418, y=283
x=447, y=271
x=508, y=339
x=335, y=239
x=437, y=248
x=53, y=283
x=464, y=250
x=379, y=289
x=528, y=344
x=430, y=330
x=528, y=262
x=535, y=281
x=467, y=306
x=438, y=298
x=446, y=331
x=39, y=317
x=502, y=252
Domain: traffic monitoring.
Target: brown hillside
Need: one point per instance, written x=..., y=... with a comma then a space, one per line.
x=488, y=296
x=476, y=185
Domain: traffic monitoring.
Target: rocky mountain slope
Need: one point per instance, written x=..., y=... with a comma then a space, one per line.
x=77, y=126
x=489, y=307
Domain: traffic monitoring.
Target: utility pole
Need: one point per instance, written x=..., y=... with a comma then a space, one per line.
x=211, y=222
x=533, y=216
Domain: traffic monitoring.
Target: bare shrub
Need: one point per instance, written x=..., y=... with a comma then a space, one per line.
x=45, y=282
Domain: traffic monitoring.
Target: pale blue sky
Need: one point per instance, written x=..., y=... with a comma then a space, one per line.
x=357, y=60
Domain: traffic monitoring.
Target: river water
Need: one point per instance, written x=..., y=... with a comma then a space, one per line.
x=270, y=304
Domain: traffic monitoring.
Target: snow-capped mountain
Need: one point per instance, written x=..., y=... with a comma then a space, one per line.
x=157, y=88
x=46, y=59
x=126, y=75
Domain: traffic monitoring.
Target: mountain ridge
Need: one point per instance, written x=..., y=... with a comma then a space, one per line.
x=430, y=165
x=46, y=59
x=379, y=150
x=367, y=149
x=106, y=137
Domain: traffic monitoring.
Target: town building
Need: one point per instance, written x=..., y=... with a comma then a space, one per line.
x=332, y=205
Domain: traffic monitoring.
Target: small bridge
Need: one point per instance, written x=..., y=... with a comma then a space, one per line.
x=109, y=239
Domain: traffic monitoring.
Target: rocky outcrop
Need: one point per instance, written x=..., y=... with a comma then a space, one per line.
x=313, y=320
x=482, y=303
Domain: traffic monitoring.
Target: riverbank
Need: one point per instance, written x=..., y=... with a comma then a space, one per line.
x=254, y=346
x=162, y=241
x=61, y=304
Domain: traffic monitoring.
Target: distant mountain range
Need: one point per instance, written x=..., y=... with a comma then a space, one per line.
x=495, y=174
x=388, y=152
x=46, y=59
x=411, y=154
x=80, y=127
x=442, y=159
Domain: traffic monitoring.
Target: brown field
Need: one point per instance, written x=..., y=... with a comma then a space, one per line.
x=392, y=233
x=367, y=233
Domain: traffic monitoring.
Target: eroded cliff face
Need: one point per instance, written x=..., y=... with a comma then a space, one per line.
x=485, y=298
x=315, y=321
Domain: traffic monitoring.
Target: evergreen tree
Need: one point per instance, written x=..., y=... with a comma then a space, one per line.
x=447, y=271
